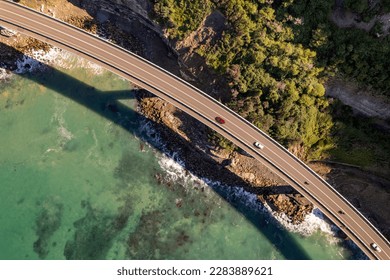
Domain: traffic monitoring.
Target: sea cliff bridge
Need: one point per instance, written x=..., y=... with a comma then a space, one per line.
x=205, y=109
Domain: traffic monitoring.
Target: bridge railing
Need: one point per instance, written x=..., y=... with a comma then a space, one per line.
x=302, y=164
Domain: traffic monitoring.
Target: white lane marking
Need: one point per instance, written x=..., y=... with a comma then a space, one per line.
x=210, y=119
x=206, y=114
x=189, y=96
x=179, y=90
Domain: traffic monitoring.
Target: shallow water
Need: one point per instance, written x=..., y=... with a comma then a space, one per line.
x=83, y=177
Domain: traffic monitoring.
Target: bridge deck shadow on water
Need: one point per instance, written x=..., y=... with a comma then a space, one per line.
x=106, y=104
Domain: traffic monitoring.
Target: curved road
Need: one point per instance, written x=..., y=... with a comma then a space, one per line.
x=204, y=108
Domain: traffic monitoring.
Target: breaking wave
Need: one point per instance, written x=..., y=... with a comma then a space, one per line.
x=176, y=171
x=171, y=163
x=39, y=59
x=5, y=74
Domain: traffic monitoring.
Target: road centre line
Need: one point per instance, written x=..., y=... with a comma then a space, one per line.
x=164, y=82
x=183, y=92
x=249, y=146
x=179, y=90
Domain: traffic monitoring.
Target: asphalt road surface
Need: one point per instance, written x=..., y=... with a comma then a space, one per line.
x=204, y=108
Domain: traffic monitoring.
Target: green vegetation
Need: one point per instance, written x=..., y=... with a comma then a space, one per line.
x=358, y=6
x=367, y=10
x=385, y=6
x=277, y=56
x=355, y=53
x=359, y=142
x=181, y=16
x=274, y=81
x=219, y=140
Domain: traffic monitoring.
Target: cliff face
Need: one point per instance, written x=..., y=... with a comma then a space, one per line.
x=189, y=138
x=126, y=23
x=130, y=20
x=141, y=7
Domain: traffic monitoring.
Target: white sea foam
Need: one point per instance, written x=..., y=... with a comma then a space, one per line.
x=171, y=163
x=94, y=153
x=176, y=171
x=4, y=74
x=37, y=61
x=64, y=134
x=313, y=222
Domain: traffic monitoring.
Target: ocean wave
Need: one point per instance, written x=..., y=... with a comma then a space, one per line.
x=94, y=153
x=64, y=134
x=175, y=171
x=171, y=163
x=38, y=60
x=313, y=222
x=5, y=74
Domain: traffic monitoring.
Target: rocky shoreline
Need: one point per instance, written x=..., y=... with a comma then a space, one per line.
x=181, y=133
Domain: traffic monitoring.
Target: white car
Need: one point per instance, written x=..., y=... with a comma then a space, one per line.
x=258, y=145
x=376, y=247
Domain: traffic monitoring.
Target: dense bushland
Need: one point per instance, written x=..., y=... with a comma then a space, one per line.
x=278, y=55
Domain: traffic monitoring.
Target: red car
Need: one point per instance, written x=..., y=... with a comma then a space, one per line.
x=220, y=120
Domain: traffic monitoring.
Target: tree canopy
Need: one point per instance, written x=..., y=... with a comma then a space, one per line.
x=277, y=56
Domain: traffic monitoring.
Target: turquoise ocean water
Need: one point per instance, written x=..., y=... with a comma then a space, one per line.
x=82, y=176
